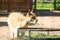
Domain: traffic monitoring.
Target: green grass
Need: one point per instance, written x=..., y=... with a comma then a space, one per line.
x=58, y=6
x=44, y=6
x=41, y=35
x=57, y=0
x=47, y=6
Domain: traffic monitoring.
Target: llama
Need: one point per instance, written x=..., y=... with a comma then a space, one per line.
x=19, y=20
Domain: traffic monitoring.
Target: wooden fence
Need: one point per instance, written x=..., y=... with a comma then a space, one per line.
x=37, y=29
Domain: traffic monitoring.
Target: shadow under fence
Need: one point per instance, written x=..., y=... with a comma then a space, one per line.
x=3, y=24
x=47, y=13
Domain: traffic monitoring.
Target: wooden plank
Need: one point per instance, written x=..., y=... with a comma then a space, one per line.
x=15, y=4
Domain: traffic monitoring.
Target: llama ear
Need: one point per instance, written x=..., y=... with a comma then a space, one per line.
x=31, y=10
x=28, y=12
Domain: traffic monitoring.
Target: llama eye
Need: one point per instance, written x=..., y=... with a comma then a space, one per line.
x=33, y=18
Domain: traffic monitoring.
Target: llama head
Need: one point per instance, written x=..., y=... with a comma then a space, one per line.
x=31, y=16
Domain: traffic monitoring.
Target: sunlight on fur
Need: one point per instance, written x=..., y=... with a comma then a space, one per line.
x=19, y=20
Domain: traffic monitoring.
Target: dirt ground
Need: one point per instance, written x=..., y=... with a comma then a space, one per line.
x=43, y=22
x=4, y=33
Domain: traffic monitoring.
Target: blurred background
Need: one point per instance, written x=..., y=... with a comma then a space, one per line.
x=47, y=11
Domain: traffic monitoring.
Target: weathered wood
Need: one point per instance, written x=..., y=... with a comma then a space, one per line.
x=15, y=4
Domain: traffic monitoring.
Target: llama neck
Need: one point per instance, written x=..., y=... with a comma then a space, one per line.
x=23, y=24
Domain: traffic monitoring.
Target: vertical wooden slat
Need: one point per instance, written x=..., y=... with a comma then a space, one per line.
x=4, y=4
x=27, y=4
x=35, y=6
x=12, y=4
x=55, y=4
x=0, y=4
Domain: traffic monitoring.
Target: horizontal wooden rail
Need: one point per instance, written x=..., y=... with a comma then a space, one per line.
x=36, y=29
x=39, y=29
